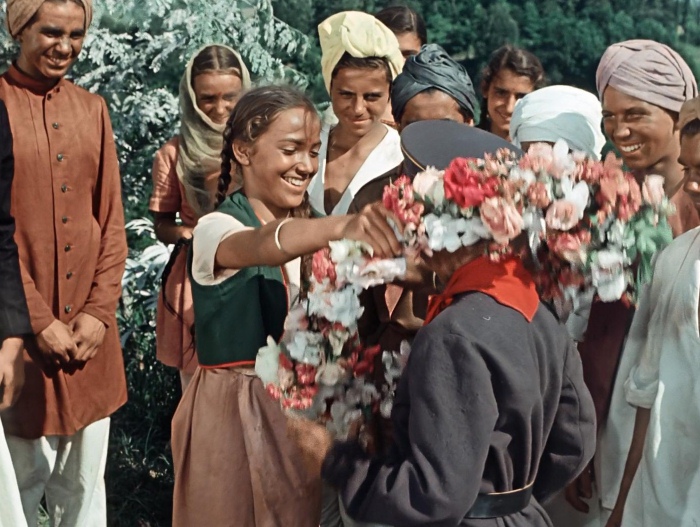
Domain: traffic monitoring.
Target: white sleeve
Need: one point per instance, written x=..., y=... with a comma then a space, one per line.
x=210, y=231
x=642, y=384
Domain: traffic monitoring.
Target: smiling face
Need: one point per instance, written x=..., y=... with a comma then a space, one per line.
x=643, y=133
x=690, y=159
x=278, y=166
x=505, y=90
x=359, y=97
x=50, y=45
x=217, y=94
x=432, y=105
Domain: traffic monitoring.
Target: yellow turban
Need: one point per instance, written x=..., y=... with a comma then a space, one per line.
x=360, y=35
x=19, y=12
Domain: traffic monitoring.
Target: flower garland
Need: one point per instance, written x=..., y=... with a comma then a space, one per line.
x=320, y=368
x=588, y=223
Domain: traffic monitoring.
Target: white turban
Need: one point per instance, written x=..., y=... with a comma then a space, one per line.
x=559, y=112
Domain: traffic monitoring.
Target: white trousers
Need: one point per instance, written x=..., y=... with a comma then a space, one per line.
x=11, y=513
x=69, y=471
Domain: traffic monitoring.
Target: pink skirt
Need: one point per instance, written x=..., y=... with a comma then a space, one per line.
x=234, y=465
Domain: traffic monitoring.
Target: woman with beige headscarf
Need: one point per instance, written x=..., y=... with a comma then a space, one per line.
x=185, y=173
x=360, y=58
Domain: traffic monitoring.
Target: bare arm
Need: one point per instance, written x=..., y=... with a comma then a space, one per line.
x=641, y=424
x=167, y=230
x=305, y=236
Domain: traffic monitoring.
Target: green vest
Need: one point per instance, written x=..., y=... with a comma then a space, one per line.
x=234, y=318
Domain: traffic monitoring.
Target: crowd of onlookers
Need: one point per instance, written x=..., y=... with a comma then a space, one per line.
x=253, y=183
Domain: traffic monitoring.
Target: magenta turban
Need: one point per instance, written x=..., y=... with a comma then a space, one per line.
x=649, y=71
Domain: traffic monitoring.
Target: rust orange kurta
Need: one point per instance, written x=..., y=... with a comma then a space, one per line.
x=66, y=199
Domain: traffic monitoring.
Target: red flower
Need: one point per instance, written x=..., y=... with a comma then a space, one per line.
x=467, y=186
x=286, y=363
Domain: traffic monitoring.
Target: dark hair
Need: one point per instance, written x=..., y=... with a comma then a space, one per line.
x=691, y=128
x=367, y=63
x=519, y=61
x=216, y=59
x=402, y=19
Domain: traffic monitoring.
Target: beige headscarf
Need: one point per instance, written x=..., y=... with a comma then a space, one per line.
x=19, y=12
x=689, y=112
x=359, y=34
x=649, y=71
x=201, y=140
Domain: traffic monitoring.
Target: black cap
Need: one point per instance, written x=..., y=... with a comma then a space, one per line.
x=437, y=143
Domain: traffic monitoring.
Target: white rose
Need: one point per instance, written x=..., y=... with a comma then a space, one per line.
x=424, y=184
x=305, y=347
x=608, y=275
x=330, y=374
x=267, y=362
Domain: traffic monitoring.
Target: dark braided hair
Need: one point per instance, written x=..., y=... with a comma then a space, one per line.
x=519, y=61
x=251, y=118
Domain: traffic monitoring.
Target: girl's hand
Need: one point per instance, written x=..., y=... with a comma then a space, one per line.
x=371, y=226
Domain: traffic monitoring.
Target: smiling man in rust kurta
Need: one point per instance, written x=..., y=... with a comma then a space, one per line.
x=66, y=200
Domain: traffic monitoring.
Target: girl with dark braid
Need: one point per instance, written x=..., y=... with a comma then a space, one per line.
x=234, y=465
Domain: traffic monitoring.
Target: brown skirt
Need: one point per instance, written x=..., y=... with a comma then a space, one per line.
x=234, y=465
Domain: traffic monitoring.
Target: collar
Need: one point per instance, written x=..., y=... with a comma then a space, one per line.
x=507, y=282
x=25, y=81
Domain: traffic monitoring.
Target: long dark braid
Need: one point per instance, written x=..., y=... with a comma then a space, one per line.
x=304, y=211
x=227, y=163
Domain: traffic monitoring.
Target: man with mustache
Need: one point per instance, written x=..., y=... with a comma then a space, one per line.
x=66, y=200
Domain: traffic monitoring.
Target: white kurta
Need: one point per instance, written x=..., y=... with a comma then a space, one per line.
x=385, y=156
x=665, y=377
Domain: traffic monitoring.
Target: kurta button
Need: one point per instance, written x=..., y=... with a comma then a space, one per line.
x=55, y=126
x=64, y=188
x=68, y=309
x=69, y=275
x=59, y=157
x=64, y=219
x=67, y=247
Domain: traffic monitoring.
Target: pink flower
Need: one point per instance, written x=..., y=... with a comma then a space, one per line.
x=653, y=190
x=562, y=215
x=538, y=196
x=323, y=267
x=539, y=158
x=306, y=374
x=570, y=247
x=466, y=185
x=399, y=199
x=273, y=391
x=501, y=218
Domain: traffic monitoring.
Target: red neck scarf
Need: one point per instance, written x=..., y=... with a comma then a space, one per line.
x=507, y=282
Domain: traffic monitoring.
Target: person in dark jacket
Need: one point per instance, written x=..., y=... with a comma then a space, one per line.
x=491, y=416
x=14, y=324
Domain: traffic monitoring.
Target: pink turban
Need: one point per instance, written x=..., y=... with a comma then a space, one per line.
x=689, y=112
x=649, y=71
x=19, y=12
